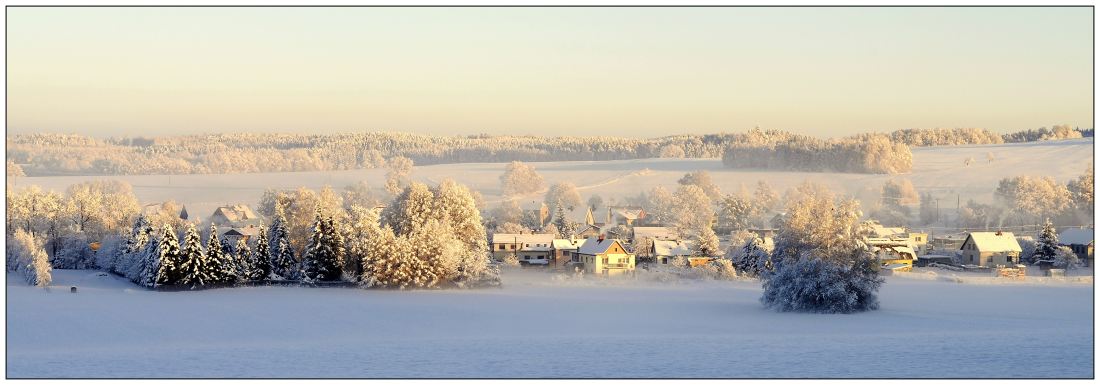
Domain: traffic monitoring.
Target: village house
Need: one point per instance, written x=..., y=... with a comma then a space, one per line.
x=661, y=252
x=656, y=233
x=948, y=242
x=605, y=256
x=235, y=222
x=1080, y=240
x=986, y=248
x=529, y=249
x=624, y=215
x=562, y=251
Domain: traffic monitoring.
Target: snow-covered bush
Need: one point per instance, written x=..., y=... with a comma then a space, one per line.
x=820, y=262
x=816, y=285
x=31, y=259
x=752, y=258
x=1065, y=258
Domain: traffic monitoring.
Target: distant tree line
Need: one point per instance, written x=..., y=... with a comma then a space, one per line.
x=43, y=154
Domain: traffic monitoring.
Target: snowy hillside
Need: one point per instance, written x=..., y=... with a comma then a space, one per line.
x=939, y=170
x=539, y=327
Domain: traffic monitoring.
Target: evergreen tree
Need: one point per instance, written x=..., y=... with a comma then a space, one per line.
x=215, y=258
x=1046, y=250
x=320, y=261
x=283, y=263
x=262, y=257
x=135, y=243
x=193, y=259
x=566, y=228
x=229, y=262
x=170, y=271
x=246, y=263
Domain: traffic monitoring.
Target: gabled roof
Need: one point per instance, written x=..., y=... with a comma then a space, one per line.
x=531, y=242
x=567, y=244
x=988, y=241
x=1076, y=236
x=655, y=232
x=235, y=213
x=593, y=246
x=673, y=248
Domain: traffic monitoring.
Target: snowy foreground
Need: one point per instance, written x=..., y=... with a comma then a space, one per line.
x=538, y=326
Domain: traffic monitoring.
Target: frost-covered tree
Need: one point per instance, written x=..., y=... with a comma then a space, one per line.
x=261, y=257
x=1027, y=199
x=398, y=169
x=566, y=227
x=1081, y=190
x=196, y=267
x=321, y=261
x=169, y=262
x=691, y=210
x=563, y=194
x=1065, y=258
x=671, y=151
x=928, y=209
x=283, y=263
x=594, y=202
x=735, y=212
x=754, y=257
x=31, y=259
x=899, y=192
x=520, y=178
x=764, y=197
x=707, y=243
x=1046, y=247
x=820, y=261
x=220, y=264
x=702, y=180
x=247, y=269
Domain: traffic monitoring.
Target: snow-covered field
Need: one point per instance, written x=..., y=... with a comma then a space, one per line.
x=939, y=170
x=537, y=326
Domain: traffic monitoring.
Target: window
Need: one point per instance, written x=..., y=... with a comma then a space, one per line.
x=541, y=257
x=512, y=247
x=501, y=247
x=526, y=257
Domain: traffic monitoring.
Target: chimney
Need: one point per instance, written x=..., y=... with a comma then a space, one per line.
x=601, y=238
x=998, y=232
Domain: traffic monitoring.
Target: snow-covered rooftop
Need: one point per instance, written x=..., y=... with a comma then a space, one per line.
x=1076, y=236
x=567, y=244
x=987, y=241
x=593, y=246
x=655, y=232
x=530, y=242
x=673, y=248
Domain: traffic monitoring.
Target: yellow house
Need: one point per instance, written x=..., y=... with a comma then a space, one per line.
x=605, y=257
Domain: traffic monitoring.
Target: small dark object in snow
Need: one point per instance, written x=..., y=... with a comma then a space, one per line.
x=72, y=289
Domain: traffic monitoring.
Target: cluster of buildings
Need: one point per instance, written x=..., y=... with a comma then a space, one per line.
x=899, y=248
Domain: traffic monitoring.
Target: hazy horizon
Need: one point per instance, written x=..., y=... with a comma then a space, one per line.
x=630, y=72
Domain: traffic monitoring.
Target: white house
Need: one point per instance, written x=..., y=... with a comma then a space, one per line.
x=987, y=248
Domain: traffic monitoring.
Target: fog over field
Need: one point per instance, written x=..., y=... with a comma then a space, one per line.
x=938, y=170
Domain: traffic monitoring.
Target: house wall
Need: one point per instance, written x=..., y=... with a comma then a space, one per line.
x=617, y=263
x=974, y=257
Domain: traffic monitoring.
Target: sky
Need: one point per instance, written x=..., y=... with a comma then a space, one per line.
x=636, y=72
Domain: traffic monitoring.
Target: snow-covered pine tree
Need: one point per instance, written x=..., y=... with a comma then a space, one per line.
x=195, y=271
x=215, y=258
x=339, y=247
x=320, y=262
x=148, y=266
x=170, y=270
x=262, y=257
x=139, y=235
x=229, y=260
x=283, y=263
x=246, y=263
x=566, y=228
x=1046, y=249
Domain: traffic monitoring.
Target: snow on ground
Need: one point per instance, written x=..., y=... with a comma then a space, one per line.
x=539, y=326
x=939, y=170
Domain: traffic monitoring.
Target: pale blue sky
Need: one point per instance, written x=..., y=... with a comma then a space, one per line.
x=546, y=71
